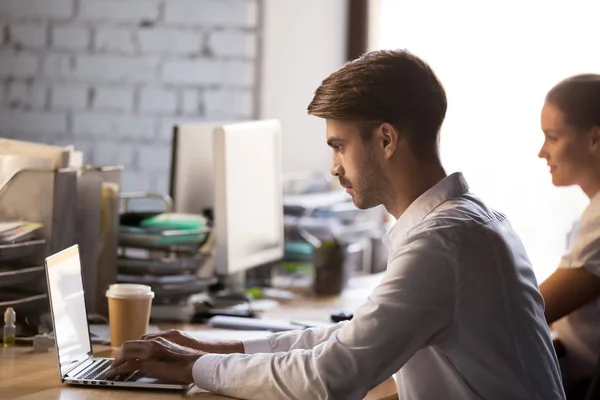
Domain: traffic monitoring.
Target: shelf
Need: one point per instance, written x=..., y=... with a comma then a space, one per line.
x=10, y=276
x=23, y=302
x=146, y=266
x=13, y=251
x=170, y=287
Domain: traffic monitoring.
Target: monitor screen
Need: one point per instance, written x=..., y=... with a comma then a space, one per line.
x=248, y=195
x=67, y=302
x=191, y=183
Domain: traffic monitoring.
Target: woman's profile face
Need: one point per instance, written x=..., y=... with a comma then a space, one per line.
x=568, y=152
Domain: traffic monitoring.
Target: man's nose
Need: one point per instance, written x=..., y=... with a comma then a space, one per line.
x=336, y=169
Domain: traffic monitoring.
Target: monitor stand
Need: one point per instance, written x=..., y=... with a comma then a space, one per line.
x=230, y=299
x=234, y=286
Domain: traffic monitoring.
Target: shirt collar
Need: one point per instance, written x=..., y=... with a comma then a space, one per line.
x=452, y=186
x=592, y=208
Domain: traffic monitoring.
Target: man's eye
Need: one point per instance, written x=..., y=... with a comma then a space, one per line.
x=338, y=147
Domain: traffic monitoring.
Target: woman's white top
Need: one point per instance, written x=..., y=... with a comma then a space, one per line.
x=580, y=330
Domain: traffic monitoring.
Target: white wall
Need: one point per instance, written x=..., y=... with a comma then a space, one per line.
x=303, y=42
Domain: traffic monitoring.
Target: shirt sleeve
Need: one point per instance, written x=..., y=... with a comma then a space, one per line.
x=410, y=309
x=291, y=340
x=584, y=251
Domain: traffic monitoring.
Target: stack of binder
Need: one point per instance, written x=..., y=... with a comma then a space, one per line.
x=18, y=240
x=37, y=194
x=164, y=250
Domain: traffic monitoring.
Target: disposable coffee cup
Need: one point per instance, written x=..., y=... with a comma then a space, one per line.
x=128, y=311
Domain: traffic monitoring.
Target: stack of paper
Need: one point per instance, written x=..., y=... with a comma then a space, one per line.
x=16, y=232
x=58, y=156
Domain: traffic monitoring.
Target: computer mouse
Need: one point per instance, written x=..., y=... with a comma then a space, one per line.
x=342, y=315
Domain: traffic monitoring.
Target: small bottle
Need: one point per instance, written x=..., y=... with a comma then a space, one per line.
x=9, y=327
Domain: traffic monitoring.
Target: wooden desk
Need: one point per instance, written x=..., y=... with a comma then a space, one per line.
x=25, y=375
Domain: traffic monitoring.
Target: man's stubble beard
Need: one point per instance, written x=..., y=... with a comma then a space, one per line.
x=370, y=188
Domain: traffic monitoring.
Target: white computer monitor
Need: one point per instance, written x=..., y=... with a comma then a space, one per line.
x=236, y=171
x=191, y=181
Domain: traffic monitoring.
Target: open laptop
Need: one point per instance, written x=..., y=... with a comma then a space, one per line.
x=71, y=331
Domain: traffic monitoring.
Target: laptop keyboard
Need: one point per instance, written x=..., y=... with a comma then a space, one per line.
x=98, y=371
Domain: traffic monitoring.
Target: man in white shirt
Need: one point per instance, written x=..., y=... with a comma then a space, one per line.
x=457, y=315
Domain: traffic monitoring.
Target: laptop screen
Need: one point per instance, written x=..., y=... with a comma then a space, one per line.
x=65, y=289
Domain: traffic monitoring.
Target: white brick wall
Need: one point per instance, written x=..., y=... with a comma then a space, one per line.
x=107, y=153
x=209, y=71
x=70, y=38
x=233, y=43
x=109, y=68
x=153, y=158
x=25, y=96
x=113, y=76
x=119, y=10
x=237, y=13
x=193, y=72
x=37, y=122
x=38, y=96
x=238, y=73
x=129, y=127
x=135, y=180
x=28, y=35
x=228, y=104
x=18, y=64
x=160, y=101
x=161, y=184
x=17, y=94
x=116, y=99
x=117, y=40
x=36, y=9
x=149, y=41
x=170, y=41
x=69, y=97
x=190, y=102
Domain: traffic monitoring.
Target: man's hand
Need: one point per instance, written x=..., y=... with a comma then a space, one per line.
x=215, y=347
x=157, y=358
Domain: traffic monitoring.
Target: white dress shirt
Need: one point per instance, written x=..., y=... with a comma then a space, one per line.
x=457, y=316
x=580, y=330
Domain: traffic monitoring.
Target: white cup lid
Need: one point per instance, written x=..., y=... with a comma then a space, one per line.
x=129, y=291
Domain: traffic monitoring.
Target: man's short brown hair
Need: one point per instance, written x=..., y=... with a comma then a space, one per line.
x=392, y=86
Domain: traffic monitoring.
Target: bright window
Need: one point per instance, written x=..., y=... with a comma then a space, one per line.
x=497, y=61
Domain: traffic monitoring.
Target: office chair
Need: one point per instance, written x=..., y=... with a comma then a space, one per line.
x=583, y=390
x=593, y=392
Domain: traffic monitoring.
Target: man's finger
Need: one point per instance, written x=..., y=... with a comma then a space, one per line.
x=150, y=336
x=153, y=335
x=132, y=350
x=124, y=368
x=157, y=369
x=165, y=334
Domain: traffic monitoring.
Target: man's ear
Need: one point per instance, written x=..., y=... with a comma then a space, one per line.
x=595, y=139
x=387, y=138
